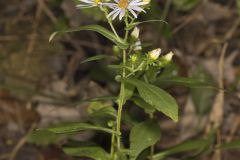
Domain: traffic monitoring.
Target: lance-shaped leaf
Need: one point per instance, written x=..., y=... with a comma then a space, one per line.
x=142, y=136
x=94, y=152
x=157, y=98
x=231, y=145
x=183, y=147
x=103, y=31
x=184, y=81
x=76, y=127
x=94, y=58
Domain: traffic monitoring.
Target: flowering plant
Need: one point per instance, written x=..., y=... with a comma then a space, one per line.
x=137, y=72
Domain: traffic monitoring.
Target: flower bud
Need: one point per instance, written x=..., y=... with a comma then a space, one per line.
x=168, y=57
x=137, y=46
x=154, y=54
x=116, y=50
x=135, y=33
x=134, y=58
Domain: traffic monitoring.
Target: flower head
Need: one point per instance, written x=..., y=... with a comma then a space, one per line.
x=120, y=7
x=89, y=3
x=154, y=54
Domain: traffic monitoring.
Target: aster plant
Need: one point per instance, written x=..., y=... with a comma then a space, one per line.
x=137, y=72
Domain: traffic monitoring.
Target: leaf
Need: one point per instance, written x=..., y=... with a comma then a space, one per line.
x=141, y=103
x=184, y=81
x=157, y=97
x=231, y=145
x=185, y=146
x=128, y=91
x=106, y=33
x=93, y=152
x=98, y=109
x=94, y=58
x=43, y=137
x=76, y=127
x=95, y=99
x=142, y=136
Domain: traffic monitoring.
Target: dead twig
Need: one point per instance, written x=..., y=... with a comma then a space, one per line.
x=216, y=115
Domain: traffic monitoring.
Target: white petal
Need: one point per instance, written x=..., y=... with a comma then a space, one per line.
x=133, y=13
x=112, y=12
x=116, y=14
x=110, y=5
x=136, y=8
x=87, y=1
x=122, y=13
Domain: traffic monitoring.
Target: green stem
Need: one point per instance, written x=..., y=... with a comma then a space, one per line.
x=113, y=29
x=127, y=31
x=110, y=23
x=113, y=145
x=152, y=147
x=120, y=103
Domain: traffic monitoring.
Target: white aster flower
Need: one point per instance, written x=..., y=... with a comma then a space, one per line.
x=120, y=7
x=89, y=3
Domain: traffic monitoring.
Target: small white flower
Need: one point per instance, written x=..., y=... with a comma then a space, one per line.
x=135, y=33
x=154, y=54
x=120, y=7
x=89, y=3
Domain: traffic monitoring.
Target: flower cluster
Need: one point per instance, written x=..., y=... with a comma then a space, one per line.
x=119, y=8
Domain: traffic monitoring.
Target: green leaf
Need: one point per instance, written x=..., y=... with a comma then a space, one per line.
x=231, y=145
x=95, y=99
x=103, y=31
x=142, y=136
x=157, y=97
x=184, y=81
x=141, y=103
x=76, y=127
x=128, y=92
x=43, y=137
x=185, y=146
x=93, y=152
x=99, y=109
x=94, y=58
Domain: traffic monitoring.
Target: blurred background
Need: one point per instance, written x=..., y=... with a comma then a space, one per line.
x=43, y=83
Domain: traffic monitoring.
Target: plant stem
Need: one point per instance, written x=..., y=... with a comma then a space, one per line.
x=113, y=145
x=113, y=29
x=127, y=31
x=120, y=103
x=110, y=23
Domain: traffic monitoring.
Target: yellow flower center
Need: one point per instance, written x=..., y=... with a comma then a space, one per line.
x=123, y=4
x=97, y=1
